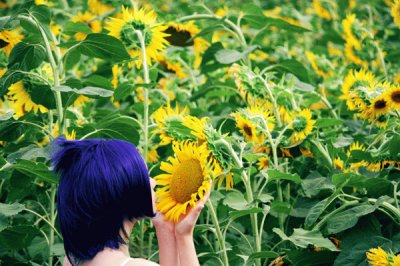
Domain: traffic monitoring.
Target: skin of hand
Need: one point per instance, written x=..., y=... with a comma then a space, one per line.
x=178, y=238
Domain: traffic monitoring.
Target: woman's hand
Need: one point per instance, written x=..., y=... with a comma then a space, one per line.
x=185, y=225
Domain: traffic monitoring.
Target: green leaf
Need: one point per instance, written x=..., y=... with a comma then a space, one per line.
x=348, y=179
x=328, y=122
x=255, y=17
x=17, y=237
x=233, y=215
x=26, y=56
x=123, y=90
x=303, y=238
x=226, y=56
x=73, y=27
x=89, y=91
x=315, y=212
x=277, y=175
x=261, y=255
x=104, y=46
x=6, y=116
x=295, y=67
x=115, y=126
x=280, y=207
x=311, y=258
x=348, y=218
x=235, y=200
x=42, y=14
x=35, y=169
x=11, y=209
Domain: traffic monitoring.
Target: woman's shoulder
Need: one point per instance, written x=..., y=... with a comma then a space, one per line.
x=141, y=262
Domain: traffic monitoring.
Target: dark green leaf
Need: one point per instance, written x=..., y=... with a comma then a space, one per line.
x=277, y=175
x=104, y=46
x=295, y=67
x=27, y=56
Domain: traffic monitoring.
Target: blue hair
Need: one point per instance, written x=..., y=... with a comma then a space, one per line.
x=102, y=183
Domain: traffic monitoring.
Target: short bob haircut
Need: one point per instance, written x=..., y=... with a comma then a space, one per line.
x=102, y=183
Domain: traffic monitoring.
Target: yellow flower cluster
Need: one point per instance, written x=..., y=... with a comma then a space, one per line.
x=372, y=100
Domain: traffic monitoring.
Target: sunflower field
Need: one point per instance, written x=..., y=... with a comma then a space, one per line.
x=290, y=107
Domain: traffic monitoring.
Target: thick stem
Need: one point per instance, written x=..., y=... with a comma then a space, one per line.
x=220, y=237
x=324, y=152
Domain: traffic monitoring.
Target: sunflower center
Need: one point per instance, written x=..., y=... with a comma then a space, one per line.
x=299, y=123
x=247, y=130
x=129, y=36
x=178, y=38
x=186, y=180
x=3, y=43
x=396, y=96
x=380, y=104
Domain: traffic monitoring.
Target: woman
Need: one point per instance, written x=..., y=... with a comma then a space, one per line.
x=104, y=190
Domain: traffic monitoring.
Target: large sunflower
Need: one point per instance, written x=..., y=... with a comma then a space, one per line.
x=166, y=116
x=377, y=257
x=302, y=125
x=22, y=101
x=8, y=39
x=181, y=34
x=186, y=179
x=144, y=21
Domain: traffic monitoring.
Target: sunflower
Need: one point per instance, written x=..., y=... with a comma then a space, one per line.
x=352, y=82
x=396, y=260
x=349, y=52
x=260, y=110
x=152, y=155
x=302, y=125
x=181, y=34
x=174, y=67
x=98, y=8
x=228, y=181
x=90, y=20
x=338, y=163
x=164, y=117
x=380, y=104
x=322, y=70
x=8, y=39
x=145, y=21
x=395, y=12
x=167, y=85
x=382, y=121
x=22, y=101
x=377, y=257
x=186, y=179
x=263, y=163
x=356, y=146
x=351, y=28
x=196, y=126
x=394, y=97
x=321, y=11
x=248, y=129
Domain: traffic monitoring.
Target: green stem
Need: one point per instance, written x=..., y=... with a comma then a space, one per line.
x=220, y=237
x=41, y=217
x=146, y=78
x=323, y=151
x=344, y=206
x=249, y=194
x=276, y=110
x=52, y=221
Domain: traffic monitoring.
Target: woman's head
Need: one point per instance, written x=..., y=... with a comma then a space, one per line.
x=103, y=182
